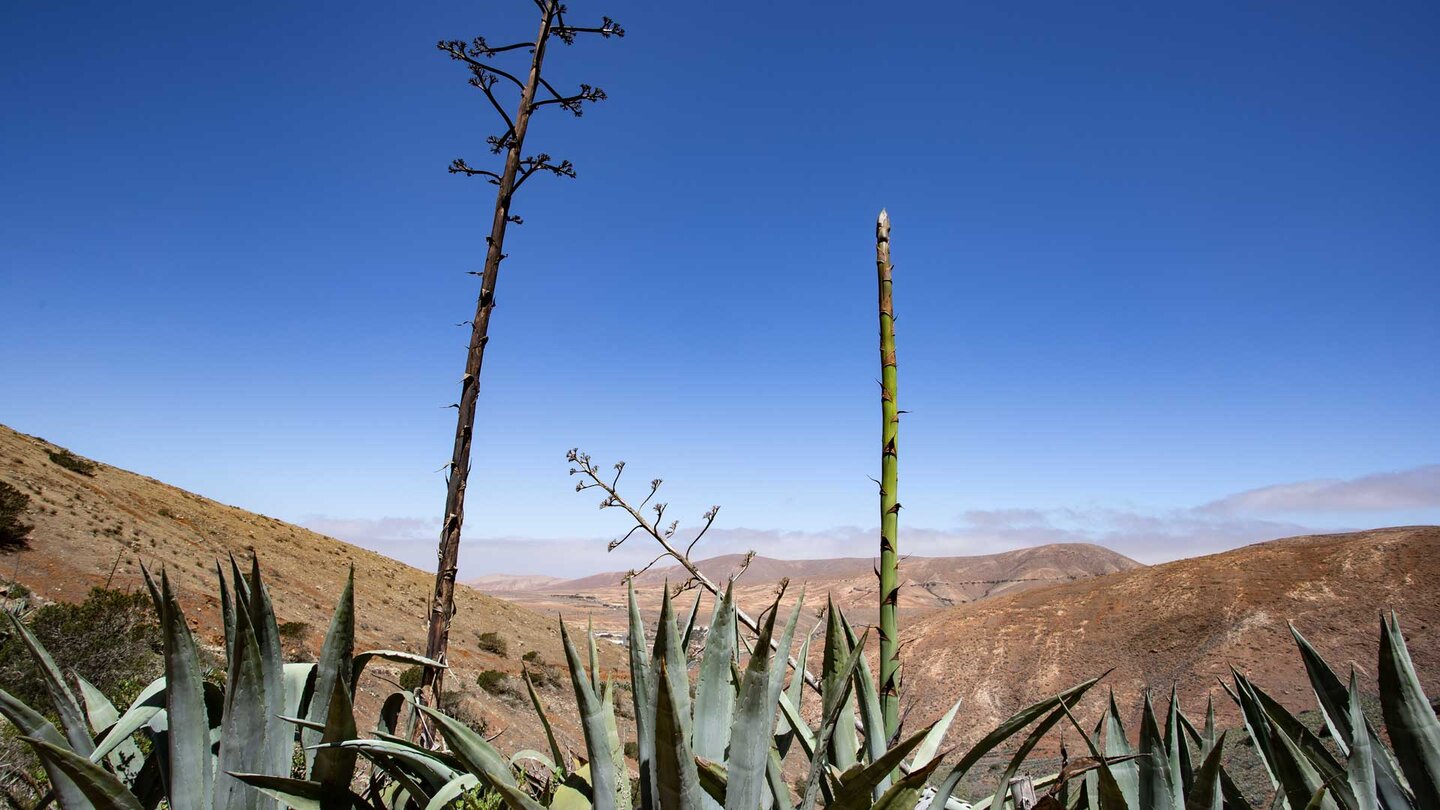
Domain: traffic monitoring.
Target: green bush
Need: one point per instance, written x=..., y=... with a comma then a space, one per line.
x=410, y=678
x=532, y=657
x=493, y=681
x=13, y=503
x=111, y=640
x=492, y=643
x=72, y=462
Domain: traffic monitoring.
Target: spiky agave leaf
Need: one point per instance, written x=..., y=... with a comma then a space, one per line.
x=593, y=724
x=753, y=718
x=72, y=717
x=100, y=788
x=844, y=745
x=1003, y=732
x=1333, y=698
x=677, y=778
x=1360, y=765
x=32, y=725
x=1117, y=746
x=835, y=699
x=857, y=785
x=337, y=654
x=1414, y=730
x=1206, y=793
x=714, y=693
x=186, y=715
x=1156, y=789
x=641, y=690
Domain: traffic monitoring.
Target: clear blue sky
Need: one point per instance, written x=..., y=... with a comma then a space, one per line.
x=1148, y=257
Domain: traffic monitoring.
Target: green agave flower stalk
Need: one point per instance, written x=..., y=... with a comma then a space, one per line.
x=889, y=488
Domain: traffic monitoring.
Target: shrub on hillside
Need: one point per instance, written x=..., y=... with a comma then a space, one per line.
x=493, y=681
x=72, y=462
x=111, y=640
x=492, y=643
x=410, y=678
x=14, y=533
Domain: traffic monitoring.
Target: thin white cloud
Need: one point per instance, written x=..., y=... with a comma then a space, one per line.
x=1247, y=517
x=1416, y=488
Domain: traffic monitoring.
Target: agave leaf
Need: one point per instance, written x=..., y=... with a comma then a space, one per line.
x=1041, y=729
x=858, y=785
x=430, y=768
x=714, y=780
x=844, y=743
x=1304, y=740
x=534, y=756
x=1206, y=793
x=279, y=737
x=669, y=659
x=299, y=689
x=335, y=765
x=593, y=724
x=32, y=725
x=363, y=660
x=676, y=777
x=1333, y=698
x=1360, y=766
x=555, y=749
x=617, y=748
x=868, y=698
x=452, y=791
x=295, y=793
x=687, y=636
x=1108, y=792
x=337, y=655
x=516, y=799
x=1117, y=747
x=785, y=732
x=1299, y=779
x=187, y=718
x=905, y=793
x=72, y=717
x=800, y=730
x=835, y=700
x=125, y=759
x=641, y=689
x=1414, y=731
x=243, y=730
x=754, y=716
x=930, y=746
x=100, y=788
x=142, y=712
x=775, y=779
x=1003, y=732
x=573, y=793
x=227, y=610
x=1182, y=769
x=478, y=756
x=1156, y=791
x=714, y=693
x=1257, y=725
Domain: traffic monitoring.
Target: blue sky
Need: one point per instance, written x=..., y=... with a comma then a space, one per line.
x=1148, y=258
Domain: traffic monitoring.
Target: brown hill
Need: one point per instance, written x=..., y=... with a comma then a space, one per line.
x=1186, y=623
x=502, y=583
x=87, y=525
x=930, y=583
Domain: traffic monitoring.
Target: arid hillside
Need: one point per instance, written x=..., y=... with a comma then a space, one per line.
x=90, y=529
x=1185, y=624
x=929, y=583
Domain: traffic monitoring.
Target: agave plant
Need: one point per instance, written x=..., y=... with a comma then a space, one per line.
x=190, y=742
x=721, y=748
x=1179, y=767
